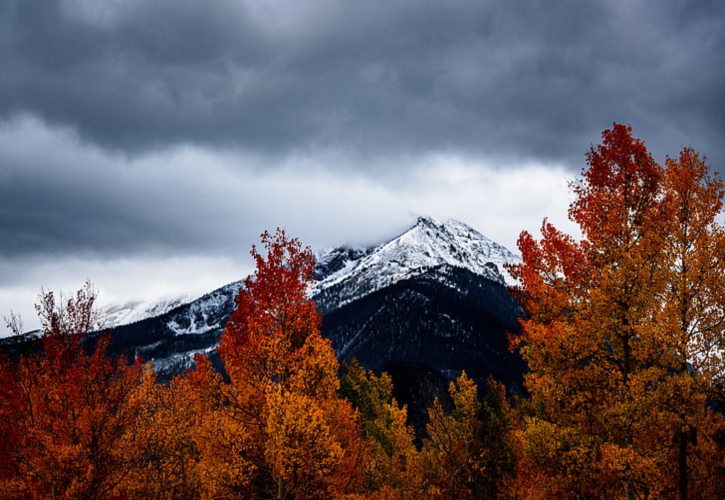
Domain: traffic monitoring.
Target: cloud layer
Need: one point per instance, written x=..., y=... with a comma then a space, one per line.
x=508, y=80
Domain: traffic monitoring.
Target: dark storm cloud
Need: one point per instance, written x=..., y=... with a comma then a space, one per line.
x=508, y=80
x=60, y=198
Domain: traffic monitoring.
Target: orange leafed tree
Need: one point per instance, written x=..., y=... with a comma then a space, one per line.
x=65, y=412
x=607, y=354
x=278, y=428
x=164, y=446
x=693, y=313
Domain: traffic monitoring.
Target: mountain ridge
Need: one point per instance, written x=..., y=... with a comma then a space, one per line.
x=354, y=271
x=433, y=299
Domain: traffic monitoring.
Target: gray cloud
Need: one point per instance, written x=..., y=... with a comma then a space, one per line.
x=507, y=80
x=59, y=197
x=194, y=202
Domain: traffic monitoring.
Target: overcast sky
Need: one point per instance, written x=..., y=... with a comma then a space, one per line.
x=145, y=145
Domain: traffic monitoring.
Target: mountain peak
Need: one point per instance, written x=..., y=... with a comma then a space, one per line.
x=425, y=220
x=450, y=228
x=427, y=244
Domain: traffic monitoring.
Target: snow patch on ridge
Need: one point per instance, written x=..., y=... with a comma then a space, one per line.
x=205, y=313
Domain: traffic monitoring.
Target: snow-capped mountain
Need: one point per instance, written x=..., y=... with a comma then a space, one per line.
x=354, y=273
x=432, y=300
x=348, y=273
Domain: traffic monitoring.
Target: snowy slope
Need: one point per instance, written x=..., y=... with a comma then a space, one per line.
x=428, y=244
x=193, y=316
x=113, y=315
x=337, y=260
x=207, y=313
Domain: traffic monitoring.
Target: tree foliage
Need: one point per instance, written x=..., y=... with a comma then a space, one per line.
x=280, y=412
x=393, y=468
x=65, y=413
x=470, y=450
x=624, y=332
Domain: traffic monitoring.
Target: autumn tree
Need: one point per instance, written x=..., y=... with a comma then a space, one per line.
x=693, y=313
x=393, y=467
x=497, y=432
x=601, y=332
x=164, y=447
x=469, y=451
x=65, y=410
x=278, y=428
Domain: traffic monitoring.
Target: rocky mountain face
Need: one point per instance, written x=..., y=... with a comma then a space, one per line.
x=424, y=306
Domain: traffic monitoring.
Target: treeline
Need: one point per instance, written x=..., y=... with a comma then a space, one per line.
x=623, y=334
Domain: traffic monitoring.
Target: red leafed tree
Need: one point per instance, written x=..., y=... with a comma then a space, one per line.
x=274, y=316
x=64, y=410
x=280, y=413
